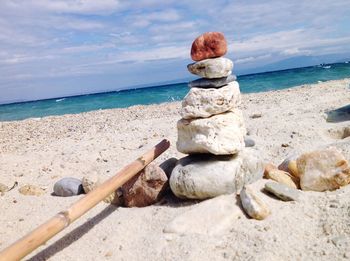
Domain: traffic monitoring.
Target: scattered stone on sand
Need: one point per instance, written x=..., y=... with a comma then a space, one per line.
x=268, y=167
x=204, y=176
x=282, y=177
x=290, y=165
x=212, y=83
x=255, y=115
x=203, y=103
x=210, y=217
x=146, y=188
x=282, y=191
x=323, y=170
x=212, y=68
x=115, y=198
x=31, y=190
x=4, y=188
x=208, y=45
x=93, y=181
x=249, y=142
x=67, y=187
x=168, y=165
x=221, y=134
x=90, y=182
x=254, y=206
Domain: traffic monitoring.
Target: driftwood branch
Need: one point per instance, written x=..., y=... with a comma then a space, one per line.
x=63, y=219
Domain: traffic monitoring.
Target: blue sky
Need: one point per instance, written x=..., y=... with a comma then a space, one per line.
x=57, y=48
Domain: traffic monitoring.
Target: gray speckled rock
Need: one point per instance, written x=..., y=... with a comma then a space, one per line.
x=67, y=187
x=205, y=176
x=203, y=103
x=212, y=68
x=212, y=83
x=282, y=191
x=221, y=134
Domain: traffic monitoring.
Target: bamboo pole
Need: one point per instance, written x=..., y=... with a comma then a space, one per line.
x=63, y=219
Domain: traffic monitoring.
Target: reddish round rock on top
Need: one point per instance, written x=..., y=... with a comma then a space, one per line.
x=208, y=45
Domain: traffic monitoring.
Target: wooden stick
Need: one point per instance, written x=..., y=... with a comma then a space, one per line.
x=63, y=219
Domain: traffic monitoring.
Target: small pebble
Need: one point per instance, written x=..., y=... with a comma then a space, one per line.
x=93, y=181
x=281, y=177
x=249, y=142
x=67, y=187
x=256, y=115
x=253, y=205
x=31, y=190
x=109, y=254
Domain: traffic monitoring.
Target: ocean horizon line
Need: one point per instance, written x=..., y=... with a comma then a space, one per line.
x=176, y=91
x=156, y=85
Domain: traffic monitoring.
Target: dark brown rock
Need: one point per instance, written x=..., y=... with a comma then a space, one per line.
x=208, y=45
x=146, y=188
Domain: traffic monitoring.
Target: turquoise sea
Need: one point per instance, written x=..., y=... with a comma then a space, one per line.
x=173, y=92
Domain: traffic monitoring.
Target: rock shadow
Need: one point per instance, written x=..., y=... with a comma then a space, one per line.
x=170, y=200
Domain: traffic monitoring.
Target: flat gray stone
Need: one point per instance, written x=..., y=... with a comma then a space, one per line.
x=212, y=83
x=67, y=187
x=212, y=68
x=283, y=192
x=204, y=176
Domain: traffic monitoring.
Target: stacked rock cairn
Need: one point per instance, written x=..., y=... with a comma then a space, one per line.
x=212, y=128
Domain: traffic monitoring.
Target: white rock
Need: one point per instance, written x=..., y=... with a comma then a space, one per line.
x=204, y=176
x=210, y=217
x=212, y=68
x=203, y=103
x=253, y=205
x=221, y=134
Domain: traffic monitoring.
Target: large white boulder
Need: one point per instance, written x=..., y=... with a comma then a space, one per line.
x=221, y=134
x=204, y=176
x=203, y=103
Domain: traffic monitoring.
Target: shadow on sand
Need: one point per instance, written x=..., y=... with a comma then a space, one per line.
x=339, y=115
x=72, y=236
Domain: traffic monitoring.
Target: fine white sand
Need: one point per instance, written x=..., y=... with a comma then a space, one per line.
x=41, y=151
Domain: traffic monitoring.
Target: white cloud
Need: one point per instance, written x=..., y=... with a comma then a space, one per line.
x=91, y=7
x=252, y=59
x=75, y=37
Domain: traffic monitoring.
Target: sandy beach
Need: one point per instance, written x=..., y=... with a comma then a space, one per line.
x=291, y=121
